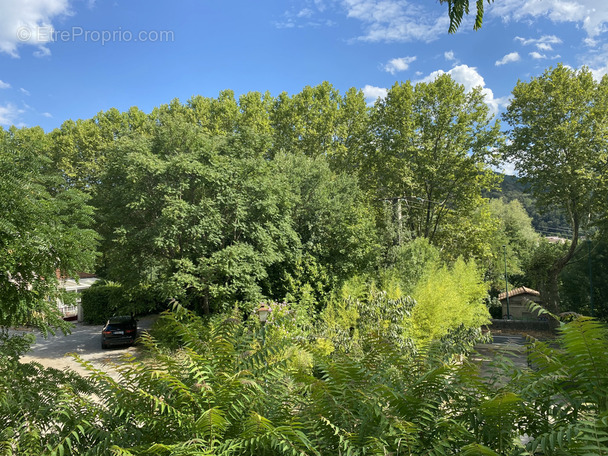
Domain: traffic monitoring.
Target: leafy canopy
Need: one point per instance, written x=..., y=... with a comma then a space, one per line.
x=559, y=144
x=44, y=231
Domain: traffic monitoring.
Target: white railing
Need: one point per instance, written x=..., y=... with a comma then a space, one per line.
x=69, y=311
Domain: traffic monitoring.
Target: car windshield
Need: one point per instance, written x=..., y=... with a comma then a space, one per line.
x=120, y=323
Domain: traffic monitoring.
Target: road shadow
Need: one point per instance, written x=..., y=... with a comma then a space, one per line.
x=85, y=342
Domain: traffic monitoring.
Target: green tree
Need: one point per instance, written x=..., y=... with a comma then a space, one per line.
x=334, y=223
x=412, y=261
x=470, y=236
x=202, y=218
x=515, y=231
x=430, y=152
x=255, y=110
x=77, y=152
x=78, y=149
x=311, y=121
x=352, y=132
x=559, y=126
x=215, y=116
x=44, y=230
x=589, y=263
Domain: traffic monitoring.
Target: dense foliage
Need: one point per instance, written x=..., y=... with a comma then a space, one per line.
x=220, y=200
x=546, y=221
x=364, y=228
x=559, y=126
x=587, y=274
x=229, y=199
x=44, y=231
x=226, y=389
x=105, y=299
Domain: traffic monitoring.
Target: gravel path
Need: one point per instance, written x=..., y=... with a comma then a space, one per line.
x=85, y=340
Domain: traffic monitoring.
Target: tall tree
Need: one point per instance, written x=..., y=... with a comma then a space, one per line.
x=516, y=234
x=201, y=217
x=332, y=218
x=308, y=121
x=44, y=230
x=430, y=153
x=559, y=144
x=352, y=132
x=215, y=116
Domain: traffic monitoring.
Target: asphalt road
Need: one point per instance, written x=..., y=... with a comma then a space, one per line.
x=85, y=341
x=512, y=339
x=512, y=345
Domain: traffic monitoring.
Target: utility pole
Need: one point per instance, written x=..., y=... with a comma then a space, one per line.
x=506, y=283
x=590, y=275
x=399, y=222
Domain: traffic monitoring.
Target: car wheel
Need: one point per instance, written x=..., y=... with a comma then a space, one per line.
x=103, y=345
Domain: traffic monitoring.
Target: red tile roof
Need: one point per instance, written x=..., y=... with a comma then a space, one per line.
x=518, y=291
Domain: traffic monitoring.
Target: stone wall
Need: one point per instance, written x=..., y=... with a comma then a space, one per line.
x=523, y=326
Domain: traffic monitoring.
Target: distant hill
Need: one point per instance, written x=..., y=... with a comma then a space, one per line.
x=548, y=222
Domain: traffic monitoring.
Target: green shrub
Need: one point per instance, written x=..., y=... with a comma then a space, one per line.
x=226, y=392
x=411, y=262
x=447, y=299
x=103, y=300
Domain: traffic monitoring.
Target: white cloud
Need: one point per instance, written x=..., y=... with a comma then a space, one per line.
x=4, y=85
x=399, y=64
x=590, y=42
x=544, y=43
x=9, y=114
x=24, y=91
x=449, y=55
x=308, y=15
x=506, y=168
x=289, y=23
x=598, y=63
x=306, y=12
x=537, y=55
x=320, y=4
x=599, y=73
x=592, y=15
x=372, y=93
x=29, y=22
x=509, y=58
x=42, y=51
x=469, y=78
x=396, y=20
x=47, y=114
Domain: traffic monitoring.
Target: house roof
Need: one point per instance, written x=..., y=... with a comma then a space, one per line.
x=518, y=291
x=70, y=284
x=81, y=275
x=86, y=275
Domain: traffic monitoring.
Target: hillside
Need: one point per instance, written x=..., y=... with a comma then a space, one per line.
x=547, y=221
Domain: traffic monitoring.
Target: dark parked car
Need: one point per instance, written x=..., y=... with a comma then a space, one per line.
x=119, y=331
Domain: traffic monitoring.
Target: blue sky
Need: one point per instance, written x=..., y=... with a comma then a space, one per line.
x=70, y=59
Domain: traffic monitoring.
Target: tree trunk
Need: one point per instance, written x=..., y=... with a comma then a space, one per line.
x=399, y=222
x=205, y=307
x=550, y=291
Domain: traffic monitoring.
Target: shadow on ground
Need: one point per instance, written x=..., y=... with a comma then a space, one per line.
x=85, y=341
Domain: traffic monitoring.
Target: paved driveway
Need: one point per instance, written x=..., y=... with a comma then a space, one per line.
x=84, y=340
